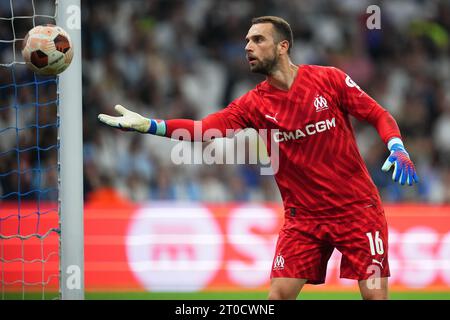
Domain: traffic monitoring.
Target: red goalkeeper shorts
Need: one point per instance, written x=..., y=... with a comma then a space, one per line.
x=305, y=245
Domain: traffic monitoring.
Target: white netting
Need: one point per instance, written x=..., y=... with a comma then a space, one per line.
x=29, y=221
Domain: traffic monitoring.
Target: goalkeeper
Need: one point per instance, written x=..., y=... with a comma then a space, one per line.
x=329, y=199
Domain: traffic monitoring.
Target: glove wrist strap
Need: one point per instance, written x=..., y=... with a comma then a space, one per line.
x=157, y=127
x=394, y=141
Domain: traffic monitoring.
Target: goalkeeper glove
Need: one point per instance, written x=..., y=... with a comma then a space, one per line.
x=404, y=170
x=132, y=121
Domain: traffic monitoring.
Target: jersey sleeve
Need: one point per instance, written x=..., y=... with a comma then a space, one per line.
x=235, y=116
x=352, y=98
x=224, y=123
x=363, y=107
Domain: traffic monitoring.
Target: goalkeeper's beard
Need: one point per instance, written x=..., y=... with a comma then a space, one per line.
x=266, y=66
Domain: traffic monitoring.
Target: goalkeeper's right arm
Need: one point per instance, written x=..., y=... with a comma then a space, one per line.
x=132, y=121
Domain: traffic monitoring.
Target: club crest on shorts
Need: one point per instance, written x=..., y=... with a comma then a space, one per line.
x=278, y=264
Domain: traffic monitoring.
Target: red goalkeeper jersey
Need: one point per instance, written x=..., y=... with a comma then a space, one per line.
x=320, y=172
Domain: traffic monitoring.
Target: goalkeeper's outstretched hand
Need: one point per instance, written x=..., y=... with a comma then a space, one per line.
x=404, y=170
x=129, y=121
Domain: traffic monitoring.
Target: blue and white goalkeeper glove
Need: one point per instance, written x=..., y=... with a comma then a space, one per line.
x=132, y=121
x=404, y=170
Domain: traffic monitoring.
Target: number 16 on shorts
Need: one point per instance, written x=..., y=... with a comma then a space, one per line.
x=376, y=243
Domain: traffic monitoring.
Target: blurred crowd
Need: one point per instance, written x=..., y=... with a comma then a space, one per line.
x=185, y=59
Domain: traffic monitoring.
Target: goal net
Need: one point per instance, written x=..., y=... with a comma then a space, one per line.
x=29, y=210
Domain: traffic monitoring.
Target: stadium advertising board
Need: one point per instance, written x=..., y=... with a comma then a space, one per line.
x=207, y=247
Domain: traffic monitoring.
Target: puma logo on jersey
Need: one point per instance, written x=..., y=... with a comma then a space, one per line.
x=274, y=118
x=320, y=103
x=309, y=130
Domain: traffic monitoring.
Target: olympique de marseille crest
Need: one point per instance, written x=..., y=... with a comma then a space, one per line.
x=320, y=103
x=278, y=263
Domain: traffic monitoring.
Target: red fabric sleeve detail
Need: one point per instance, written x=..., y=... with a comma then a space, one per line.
x=216, y=125
x=191, y=130
x=385, y=124
x=174, y=124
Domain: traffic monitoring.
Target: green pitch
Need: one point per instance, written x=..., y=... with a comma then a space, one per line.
x=261, y=296
x=230, y=296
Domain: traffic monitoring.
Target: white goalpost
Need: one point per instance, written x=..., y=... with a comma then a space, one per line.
x=71, y=159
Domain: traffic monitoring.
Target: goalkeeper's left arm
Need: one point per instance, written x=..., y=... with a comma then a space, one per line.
x=359, y=104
